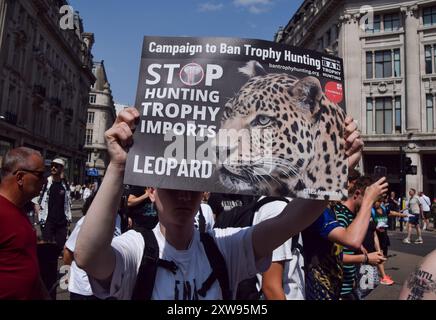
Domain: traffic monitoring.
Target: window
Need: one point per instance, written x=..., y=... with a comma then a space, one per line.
x=429, y=112
x=92, y=98
x=53, y=126
x=328, y=37
x=391, y=22
x=385, y=61
x=91, y=117
x=383, y=64
x=369, y=115
x=369, y=73
x=429, y=16
x=11, y=98
x=430, y=58
x=383, y=115
x=397, y=63
x=320, y=45
x=398, y=114
x=88, y=137
x=375, y=27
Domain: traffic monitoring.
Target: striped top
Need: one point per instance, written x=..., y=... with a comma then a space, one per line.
x=345, y=217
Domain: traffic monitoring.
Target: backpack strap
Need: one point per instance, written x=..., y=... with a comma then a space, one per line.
x=147, y=271
x=265, y=200
x=295, y=244
x=201, y=221
x=42, y=194
x=218, y=265
x=259, y=204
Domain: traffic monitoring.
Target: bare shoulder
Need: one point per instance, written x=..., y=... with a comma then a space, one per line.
x=421, y=284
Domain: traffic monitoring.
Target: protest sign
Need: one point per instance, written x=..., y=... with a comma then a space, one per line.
x=239, y=116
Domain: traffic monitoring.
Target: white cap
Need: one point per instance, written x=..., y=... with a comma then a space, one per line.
x=59, y=161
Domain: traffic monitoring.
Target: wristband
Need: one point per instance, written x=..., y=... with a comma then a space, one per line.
x=365, y=261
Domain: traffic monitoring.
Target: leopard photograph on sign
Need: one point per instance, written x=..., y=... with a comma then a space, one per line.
x=239, y=116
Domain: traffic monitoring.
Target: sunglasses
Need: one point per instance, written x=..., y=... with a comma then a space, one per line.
x=57, y=166
x=36, y=173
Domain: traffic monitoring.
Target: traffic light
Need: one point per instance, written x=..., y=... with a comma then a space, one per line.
x=408, y=167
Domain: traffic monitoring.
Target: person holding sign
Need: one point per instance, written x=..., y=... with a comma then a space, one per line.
x=183, y=269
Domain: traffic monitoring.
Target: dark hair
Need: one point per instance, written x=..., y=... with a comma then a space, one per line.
x=360, y=184
x=15, y=158
x=353, y=175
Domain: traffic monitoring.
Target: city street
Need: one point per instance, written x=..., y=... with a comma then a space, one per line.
x=76, y=215
x=303, y=99
x=403, y=259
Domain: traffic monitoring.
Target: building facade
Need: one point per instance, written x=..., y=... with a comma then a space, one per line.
x=45, y=77
x=101, y=115
x=389, y=53
x=119, y=107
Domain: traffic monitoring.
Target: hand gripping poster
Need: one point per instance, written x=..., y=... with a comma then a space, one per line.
x=239, y=116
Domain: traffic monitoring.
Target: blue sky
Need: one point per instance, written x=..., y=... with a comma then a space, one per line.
x=119, y=27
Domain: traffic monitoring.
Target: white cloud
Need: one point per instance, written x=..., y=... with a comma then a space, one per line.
x=254, y=6
x=209, y=6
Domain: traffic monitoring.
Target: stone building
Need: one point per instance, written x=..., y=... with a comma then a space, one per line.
x=389, y=53
x=101, y=116
x=45, y=78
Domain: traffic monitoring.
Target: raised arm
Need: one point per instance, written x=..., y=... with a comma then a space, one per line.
x=421, y=284
x=133, y=200
x=355, y=233
x=301, y=213
x=295, y=217
x=93, y=248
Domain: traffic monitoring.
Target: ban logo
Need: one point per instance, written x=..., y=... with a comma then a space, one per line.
x=191, y=74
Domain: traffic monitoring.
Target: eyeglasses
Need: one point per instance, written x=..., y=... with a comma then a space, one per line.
x=36, y=173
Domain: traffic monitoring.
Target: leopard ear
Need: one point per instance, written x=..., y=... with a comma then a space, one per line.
x=308, y=91
x=252, y=69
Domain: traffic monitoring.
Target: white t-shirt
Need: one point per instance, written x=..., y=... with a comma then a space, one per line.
x=87, y=193
x=193, y=266
x=208, y=216
x=78, y=281
x=293, y=274
x=425, y=203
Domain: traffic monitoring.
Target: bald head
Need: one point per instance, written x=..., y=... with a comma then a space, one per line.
x=17, y=158
x=22, y=175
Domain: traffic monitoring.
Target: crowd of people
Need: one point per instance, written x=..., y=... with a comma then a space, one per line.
x=150, y=243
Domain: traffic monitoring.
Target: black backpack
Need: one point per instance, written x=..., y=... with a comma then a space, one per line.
x=150, y=262
x=240, y=217
x=243, y=217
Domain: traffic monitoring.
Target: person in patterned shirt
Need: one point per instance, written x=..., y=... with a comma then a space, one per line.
x=325, y=238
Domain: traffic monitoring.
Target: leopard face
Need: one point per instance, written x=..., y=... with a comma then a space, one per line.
x=272, y=126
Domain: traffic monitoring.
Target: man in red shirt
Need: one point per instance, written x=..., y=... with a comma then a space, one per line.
x=22, y=177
